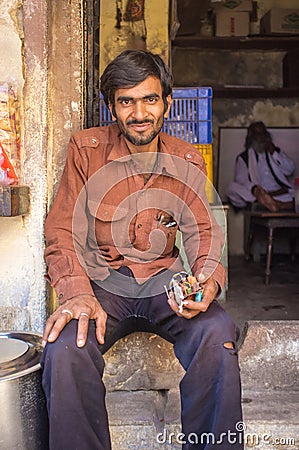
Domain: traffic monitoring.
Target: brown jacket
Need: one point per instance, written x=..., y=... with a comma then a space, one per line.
x=105, y=217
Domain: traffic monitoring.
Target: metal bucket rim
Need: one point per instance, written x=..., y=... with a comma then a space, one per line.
x=21, y=374
x=14, y=335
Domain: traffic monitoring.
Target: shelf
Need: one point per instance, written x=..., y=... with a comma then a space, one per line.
x=14, y=200
x=238, y=43
x=263, y=43
x=255, y=92
x=251, y=92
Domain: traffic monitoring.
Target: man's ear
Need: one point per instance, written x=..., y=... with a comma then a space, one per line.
x=111, y=111
x=169, y=102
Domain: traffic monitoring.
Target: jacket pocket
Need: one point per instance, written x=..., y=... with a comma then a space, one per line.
x=111, y=224
x=106, y=212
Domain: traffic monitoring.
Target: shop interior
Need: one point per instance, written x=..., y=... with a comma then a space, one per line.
x=237, y=61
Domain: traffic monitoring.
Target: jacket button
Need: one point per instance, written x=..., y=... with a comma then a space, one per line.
x=93, y=140
x=189, y=156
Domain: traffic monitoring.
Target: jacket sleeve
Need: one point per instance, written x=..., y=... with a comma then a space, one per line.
x=202, y=236
x=65, y=272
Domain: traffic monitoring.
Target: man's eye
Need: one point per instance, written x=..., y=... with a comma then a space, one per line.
x=126, y=102
x=151, y=99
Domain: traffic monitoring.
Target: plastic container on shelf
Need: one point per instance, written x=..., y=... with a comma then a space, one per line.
x=207, y=152
x=190, y=116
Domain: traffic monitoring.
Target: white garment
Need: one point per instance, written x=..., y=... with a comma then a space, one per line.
x=259, y=172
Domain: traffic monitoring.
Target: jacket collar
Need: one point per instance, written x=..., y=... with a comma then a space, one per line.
x=120, y=151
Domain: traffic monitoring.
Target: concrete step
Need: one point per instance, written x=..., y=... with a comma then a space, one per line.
x=269, y=361
x=144, y=419
x=142, y=378
x=270, y=419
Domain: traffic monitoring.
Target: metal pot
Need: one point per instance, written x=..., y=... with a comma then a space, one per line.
x=23, y=415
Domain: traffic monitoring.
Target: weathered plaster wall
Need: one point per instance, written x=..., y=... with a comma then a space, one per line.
x=18, y=262
x=227, y=67
x=11, y=41
x=66, y=90
x=41, y=49
x=150, y=34
x=66, y=83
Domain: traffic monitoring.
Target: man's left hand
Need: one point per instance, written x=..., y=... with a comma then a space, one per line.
x=192, y=308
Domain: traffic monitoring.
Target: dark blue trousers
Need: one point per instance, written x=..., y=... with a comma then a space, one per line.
x=210, y=389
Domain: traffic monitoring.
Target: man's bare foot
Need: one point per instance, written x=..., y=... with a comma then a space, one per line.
x=265, y=199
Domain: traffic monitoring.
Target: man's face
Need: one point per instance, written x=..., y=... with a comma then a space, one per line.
x=260, y=141
x=139, y=111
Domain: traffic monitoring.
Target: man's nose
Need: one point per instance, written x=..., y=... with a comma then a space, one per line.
x=139, y=111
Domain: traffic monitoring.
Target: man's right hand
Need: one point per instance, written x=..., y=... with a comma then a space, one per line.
x=83, y=308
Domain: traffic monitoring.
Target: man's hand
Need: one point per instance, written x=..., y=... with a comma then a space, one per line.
x=82, y=308
x=270, y=147
x=192, y=308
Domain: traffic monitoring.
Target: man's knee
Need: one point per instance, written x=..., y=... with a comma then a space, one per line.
x=207, y=334
x=219, y=328
x=64, y=352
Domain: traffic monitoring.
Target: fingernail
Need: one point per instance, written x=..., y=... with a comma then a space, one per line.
x=80, y=343
x=44, y=343
x=51, y=337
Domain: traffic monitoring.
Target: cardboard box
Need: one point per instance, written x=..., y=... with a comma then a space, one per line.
x=280, y=21
x=235, y=5
x=231, y=23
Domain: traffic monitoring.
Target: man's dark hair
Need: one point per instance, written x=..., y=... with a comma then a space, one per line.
x=254, y=130
x=130, y=68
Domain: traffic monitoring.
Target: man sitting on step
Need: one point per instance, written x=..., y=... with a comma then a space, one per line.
x=125, y=191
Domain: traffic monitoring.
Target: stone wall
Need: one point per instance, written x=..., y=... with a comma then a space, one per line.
x=42, y=54
x=22, y=288
x=151, y=33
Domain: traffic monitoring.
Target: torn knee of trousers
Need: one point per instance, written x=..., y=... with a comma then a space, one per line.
x=231, y=347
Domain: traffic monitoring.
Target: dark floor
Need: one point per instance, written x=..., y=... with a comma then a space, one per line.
x=248, y=298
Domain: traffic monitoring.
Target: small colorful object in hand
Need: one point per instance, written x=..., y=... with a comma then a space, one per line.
x=185, y=286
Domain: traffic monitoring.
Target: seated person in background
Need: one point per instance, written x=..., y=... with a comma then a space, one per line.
x=261, y=173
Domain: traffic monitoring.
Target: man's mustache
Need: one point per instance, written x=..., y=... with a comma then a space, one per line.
x=139, y=122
